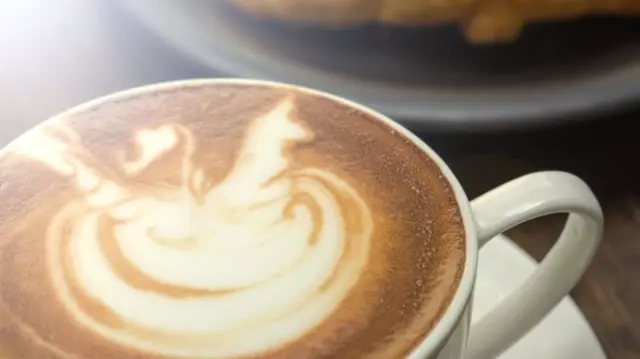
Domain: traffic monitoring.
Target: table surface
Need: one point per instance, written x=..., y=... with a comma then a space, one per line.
x=68, y=51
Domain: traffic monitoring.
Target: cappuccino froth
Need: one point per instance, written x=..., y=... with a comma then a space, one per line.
x=217, y=237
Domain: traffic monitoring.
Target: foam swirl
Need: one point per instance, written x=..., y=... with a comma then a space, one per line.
x=236, y=268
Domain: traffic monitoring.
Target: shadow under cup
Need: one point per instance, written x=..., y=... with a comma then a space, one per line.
x=224, y=219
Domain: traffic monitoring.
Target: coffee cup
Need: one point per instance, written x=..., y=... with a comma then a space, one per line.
x=232, y=218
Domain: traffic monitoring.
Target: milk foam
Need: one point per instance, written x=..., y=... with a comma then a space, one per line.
x=242, y=267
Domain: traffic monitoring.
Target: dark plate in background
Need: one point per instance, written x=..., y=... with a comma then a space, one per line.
x=426, y=77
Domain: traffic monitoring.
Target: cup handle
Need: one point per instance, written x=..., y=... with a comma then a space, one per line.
x=521, y=200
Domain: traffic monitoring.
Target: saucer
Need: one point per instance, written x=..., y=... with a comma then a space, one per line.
x=563, y=334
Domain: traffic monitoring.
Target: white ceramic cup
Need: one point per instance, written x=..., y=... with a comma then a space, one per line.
x=523, y=199
x=520, y=200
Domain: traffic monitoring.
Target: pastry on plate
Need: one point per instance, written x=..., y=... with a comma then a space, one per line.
x=483, y=21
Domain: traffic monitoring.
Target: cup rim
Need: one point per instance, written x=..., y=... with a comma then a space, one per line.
x=450, y=319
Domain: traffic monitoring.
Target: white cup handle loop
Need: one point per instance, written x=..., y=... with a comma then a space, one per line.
x=518, y=201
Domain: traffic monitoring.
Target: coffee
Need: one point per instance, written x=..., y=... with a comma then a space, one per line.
x=222, y=220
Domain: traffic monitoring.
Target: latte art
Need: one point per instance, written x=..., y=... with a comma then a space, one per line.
x=238, y=268
x=222, y=220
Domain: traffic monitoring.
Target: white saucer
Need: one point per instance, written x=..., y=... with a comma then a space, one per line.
x=563, y=334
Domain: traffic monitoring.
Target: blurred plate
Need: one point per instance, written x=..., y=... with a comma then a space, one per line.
x=427, y=77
